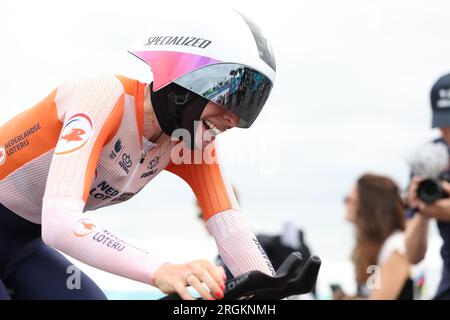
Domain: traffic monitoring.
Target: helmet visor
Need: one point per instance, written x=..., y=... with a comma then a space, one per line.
x=235, y=87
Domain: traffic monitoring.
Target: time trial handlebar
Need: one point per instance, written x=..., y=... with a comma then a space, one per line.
x=293, y=277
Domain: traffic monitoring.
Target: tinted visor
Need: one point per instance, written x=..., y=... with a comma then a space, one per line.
x=235, y=87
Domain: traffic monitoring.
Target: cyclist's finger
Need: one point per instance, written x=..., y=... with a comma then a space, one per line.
x=182, y=291
x=203, y=274
x=223, y=273
x=217, y=274
x=193, y=281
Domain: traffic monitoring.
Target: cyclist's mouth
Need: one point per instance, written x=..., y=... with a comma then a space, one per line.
x=210, y=126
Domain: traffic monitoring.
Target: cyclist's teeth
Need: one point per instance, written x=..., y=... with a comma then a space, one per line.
x=209, y=124
x=213, y=127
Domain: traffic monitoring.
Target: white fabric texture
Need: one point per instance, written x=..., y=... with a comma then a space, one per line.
x=395, y=242
x=237, y=244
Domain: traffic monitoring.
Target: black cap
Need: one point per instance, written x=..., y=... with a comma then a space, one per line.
x=440, y=102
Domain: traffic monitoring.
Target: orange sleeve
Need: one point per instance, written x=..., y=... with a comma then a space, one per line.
x=42, y=137
x=212, y=189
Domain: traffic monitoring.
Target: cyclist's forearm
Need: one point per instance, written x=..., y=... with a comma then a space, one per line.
x=416, y=238
x=65, y=228
x=237, y=244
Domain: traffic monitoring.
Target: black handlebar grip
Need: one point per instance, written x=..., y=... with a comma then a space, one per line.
x=302, y=283
x=292, y=278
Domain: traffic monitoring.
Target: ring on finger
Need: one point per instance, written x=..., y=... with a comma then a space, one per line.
x=187, y=276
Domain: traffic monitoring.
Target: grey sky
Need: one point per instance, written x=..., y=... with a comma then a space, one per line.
x=351, y=95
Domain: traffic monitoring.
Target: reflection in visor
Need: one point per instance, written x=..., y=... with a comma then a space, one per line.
x=237, y=88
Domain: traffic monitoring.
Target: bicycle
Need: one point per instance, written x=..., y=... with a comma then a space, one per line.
x=292, y=278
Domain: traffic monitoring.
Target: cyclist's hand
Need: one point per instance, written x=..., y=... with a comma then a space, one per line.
x=205, y=277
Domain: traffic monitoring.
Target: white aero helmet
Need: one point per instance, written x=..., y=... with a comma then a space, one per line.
x=223, y=57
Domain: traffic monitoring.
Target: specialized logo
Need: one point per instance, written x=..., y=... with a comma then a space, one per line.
x=264, y=254
x=83, y=228
x=75, y=134
x=2, y=155
x=178, y=41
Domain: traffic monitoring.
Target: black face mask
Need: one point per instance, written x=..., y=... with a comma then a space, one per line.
x=177, y=108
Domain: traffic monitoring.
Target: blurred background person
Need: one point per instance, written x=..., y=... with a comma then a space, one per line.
x=382, y=269
x=420, y=212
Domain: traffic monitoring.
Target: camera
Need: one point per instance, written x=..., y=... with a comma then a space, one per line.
x=430, y=190
x=431, y=162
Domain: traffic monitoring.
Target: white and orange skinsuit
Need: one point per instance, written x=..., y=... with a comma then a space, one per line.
x=82, y=148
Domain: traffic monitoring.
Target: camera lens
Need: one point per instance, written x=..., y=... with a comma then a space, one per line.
x=429, y=191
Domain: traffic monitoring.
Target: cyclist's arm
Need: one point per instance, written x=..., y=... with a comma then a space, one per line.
x=237, y=244
x=63, y=224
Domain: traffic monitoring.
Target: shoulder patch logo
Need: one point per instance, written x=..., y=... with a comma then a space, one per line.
x=2, y=155
x=75, y=134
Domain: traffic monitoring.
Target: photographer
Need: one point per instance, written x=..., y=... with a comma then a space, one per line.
x=421, y=208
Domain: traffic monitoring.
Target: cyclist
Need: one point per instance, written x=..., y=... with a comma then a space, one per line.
x=97, y=142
